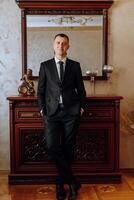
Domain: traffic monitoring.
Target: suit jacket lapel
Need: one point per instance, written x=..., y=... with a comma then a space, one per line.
x=67, y=69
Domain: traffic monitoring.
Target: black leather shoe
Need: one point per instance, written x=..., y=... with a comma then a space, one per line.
x=60, y=192
x=73, y=191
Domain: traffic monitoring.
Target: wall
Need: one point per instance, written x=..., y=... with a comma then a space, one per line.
x=121, y=48
x=10, y=69
x=121, y=56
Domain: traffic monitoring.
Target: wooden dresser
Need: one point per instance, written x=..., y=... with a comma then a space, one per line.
x=96, y=151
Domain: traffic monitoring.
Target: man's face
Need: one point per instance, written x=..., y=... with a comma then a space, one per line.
x=61, y=45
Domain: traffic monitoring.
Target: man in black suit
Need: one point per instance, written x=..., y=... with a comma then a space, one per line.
x=61, y=96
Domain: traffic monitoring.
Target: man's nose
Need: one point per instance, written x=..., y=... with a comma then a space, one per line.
x=61, y=45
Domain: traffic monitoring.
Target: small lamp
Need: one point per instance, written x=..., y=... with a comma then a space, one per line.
x=108, y=69
x=92, y=74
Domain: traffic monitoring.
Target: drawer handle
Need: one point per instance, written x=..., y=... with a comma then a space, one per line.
x=36, y=114
x=28, y=114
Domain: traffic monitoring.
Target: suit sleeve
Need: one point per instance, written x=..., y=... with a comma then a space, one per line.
x=41, y=88
x=80, y=87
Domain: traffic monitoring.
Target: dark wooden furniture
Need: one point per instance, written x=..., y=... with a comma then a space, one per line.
x=65, y=7
x=96, y=150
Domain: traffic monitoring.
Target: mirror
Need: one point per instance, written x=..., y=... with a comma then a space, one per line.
x=85, y=22
x=86, y=39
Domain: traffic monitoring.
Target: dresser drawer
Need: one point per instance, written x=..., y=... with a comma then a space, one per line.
x=98, y=114
x=27, y=114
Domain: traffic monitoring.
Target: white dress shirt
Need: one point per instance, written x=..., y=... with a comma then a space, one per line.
x=58, y=70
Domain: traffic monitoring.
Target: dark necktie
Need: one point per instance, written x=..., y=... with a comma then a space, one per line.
x=61, y=70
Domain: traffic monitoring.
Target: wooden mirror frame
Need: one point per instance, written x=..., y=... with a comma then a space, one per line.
x=64, y=7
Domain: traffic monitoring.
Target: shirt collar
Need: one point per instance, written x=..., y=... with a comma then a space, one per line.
x=63, y=60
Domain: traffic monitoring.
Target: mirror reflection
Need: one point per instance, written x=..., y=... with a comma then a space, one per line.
x=86, y=39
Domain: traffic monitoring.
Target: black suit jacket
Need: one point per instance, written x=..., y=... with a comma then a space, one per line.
x=50, y=87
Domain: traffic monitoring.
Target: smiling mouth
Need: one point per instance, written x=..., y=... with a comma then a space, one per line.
x=60, y=49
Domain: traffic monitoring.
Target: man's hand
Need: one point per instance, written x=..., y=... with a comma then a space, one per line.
x=81, y=111
x=41, y=113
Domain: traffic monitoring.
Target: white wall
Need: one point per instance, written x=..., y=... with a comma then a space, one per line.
x=10, y=69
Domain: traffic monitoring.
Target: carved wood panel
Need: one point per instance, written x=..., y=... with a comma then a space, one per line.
x=93, y=145
x=33, y=146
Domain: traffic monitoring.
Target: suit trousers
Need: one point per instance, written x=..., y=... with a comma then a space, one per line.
x=60, y=135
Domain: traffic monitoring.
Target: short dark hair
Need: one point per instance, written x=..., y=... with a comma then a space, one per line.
x=61, y=35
